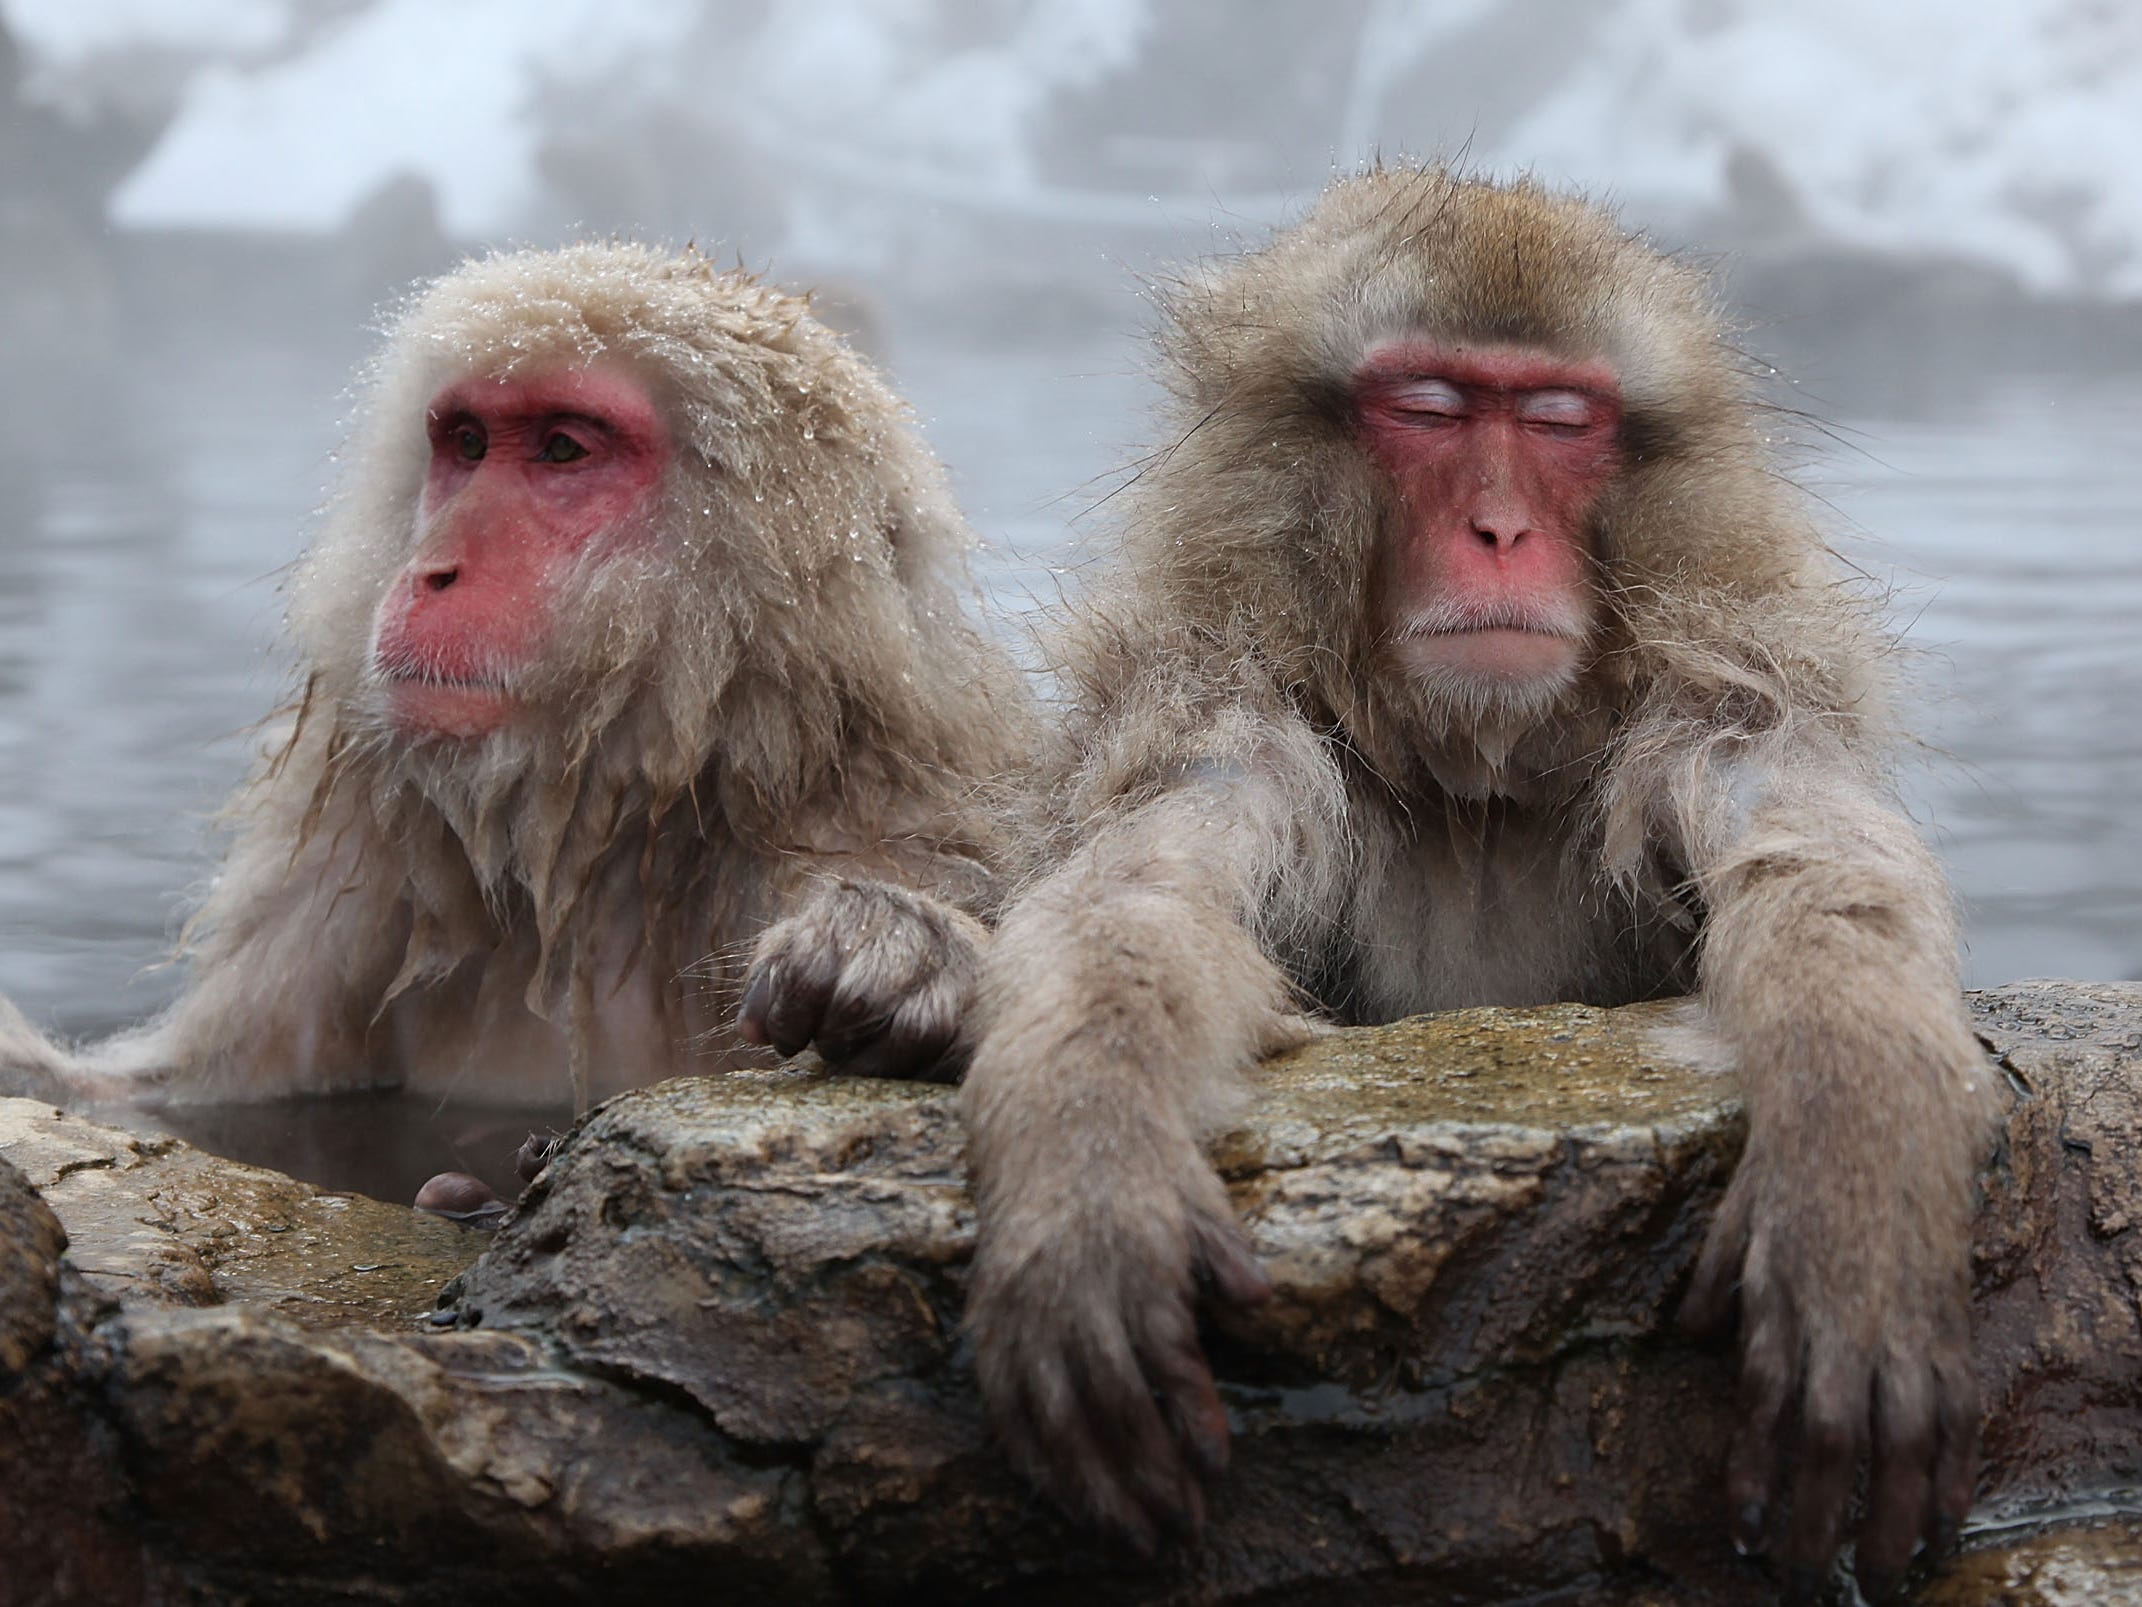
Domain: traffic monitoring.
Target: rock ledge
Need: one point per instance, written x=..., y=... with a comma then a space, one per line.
x=716, y=1353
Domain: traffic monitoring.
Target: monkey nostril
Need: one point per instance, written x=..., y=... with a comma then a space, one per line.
x=440, y=579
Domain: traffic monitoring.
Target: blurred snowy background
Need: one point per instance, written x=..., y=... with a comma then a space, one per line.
x=1932, y=219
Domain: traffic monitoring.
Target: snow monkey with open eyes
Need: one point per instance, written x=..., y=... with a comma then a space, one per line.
x=634, y=627
x=1466, y=648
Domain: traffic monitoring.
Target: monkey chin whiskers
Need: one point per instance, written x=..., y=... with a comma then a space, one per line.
x=419, y=701
x=1501, y=663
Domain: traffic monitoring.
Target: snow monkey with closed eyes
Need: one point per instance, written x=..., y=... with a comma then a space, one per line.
x=1466, y=648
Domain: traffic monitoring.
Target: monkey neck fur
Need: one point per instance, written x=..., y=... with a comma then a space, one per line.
x=572, y=844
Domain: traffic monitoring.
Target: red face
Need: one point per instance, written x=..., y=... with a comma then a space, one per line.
x=528, y=475
x=1497, y=454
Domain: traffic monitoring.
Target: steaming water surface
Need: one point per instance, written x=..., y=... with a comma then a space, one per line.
x=141, y=525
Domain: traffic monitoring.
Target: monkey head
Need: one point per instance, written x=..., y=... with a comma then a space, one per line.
x=1442, y=547
x=611, y=511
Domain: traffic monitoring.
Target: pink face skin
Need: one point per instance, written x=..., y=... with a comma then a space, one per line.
x=526, y=475
x=1497, y=454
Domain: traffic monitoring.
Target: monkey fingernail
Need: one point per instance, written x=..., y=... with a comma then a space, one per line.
x=1748, y=1529
x=751, y=1014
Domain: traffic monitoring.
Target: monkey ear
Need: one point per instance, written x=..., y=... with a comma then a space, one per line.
x=928, y=538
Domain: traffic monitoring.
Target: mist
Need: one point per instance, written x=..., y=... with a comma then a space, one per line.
x=207, y=211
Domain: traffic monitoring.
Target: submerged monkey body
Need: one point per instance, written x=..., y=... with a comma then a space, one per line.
x=1438, y=411
x=635, y=621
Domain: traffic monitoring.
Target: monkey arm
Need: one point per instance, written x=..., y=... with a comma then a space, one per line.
x=1829, y=967
x=1124, y=995
x=291, y=959
x=32, y=1066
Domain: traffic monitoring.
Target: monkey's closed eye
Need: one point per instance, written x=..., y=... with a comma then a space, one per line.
x=1428, y=398
x=1558, y=410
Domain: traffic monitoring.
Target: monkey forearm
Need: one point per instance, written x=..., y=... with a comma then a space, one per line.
x=1121, y=999
x=1844, y=1238
x=1136, y=965
x=1831, y=943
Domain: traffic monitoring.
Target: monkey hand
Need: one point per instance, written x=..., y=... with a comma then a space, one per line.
x=31, y=1065
x=876, y=978
x=1853, y=1288
x=1083, y=1315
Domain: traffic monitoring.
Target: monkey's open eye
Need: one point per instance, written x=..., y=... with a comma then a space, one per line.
x=558, y=447
x=469, y=442
x=1435, y=398
x=1570, y=410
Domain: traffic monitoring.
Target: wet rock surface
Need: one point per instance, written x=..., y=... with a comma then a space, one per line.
x=715, y=1354
x=153, y=1219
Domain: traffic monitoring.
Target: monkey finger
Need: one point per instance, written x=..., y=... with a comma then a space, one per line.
x=948, y=1067
x=1956, y=1414
x=926, y=1031
x=1766, y=1379
x=1060, y=1446
x=1833, y=1433
x=893, y=1052
x=1714, y=1288
x=850, y=1025
x=1163, y=1476
x=1127, y=1409
x=1191, y=1402
x=918, y=1040
x=1900, y=1484
x=798, y=990
x=1228, y=1267
x=1126, y=1471
x=757, y=1000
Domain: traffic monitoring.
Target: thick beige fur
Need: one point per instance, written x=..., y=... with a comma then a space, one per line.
x=1263, y=813
x=783, y=684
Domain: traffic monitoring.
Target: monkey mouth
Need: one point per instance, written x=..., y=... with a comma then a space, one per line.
x=424, y=675
x=1560, y=619
x=1499, y=642
x=423, y=700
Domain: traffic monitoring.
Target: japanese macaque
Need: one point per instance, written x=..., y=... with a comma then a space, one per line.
x=635, y=625
x=1465, y=647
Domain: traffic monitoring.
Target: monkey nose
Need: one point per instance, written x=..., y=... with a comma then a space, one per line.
x=438, y=577
x=1499, y=532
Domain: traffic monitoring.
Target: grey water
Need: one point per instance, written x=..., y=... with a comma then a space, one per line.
x=148, y=506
